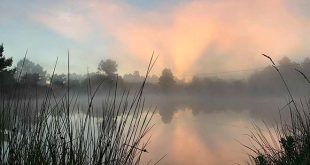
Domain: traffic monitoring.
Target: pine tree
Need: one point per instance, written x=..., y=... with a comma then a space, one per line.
x=6, y=74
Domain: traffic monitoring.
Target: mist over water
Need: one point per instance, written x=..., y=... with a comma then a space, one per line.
x=207, y=119
x=204, y=120
x=211, y=72
x=199, y=121
x=195, y=130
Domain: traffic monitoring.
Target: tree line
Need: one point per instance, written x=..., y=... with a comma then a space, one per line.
x=262, y=82
x=28, y=73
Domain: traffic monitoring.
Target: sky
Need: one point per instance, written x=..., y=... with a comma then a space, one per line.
x=190, y=37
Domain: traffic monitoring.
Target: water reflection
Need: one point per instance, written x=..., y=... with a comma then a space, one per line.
x=266, y=108
x=197, y=139
x=197, y=131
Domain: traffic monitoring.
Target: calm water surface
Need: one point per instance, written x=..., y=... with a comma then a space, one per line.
x=204, y=138
x=205, y=131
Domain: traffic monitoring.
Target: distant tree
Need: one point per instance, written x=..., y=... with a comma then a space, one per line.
x=76, y=80
x=135, y=77
x=136, y=73
x=285, y=61
x=6, y=74
x=306, y=66
x=108, y=67
x=288, y=69
x=31, y=79
x=59, y=79
x=29, y=69
x=93, y=78
x=154, y=79
x=195, y=83
x=166, y=80
x=307, y=60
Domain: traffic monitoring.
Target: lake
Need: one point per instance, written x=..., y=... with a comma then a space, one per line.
x=190, y=130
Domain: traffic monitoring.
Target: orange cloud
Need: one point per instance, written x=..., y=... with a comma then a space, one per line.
x=217, y=35
x=237, y=31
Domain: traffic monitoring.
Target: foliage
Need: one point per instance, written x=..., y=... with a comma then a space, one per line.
x=6, y=74
x=135, y=77
x=290, y=144
x=107, y=67
x=59, y=79
x=31, y=79
x=52, y=130
x=25, y=67
x=166, y=80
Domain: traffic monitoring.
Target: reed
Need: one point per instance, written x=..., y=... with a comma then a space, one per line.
x=52, y=129
x=288, y=143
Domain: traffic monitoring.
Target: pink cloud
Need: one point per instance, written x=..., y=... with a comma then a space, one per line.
x=236, y=32
x=71, y=25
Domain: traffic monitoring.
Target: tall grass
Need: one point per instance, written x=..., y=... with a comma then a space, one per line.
x=289, y=142
x=52, y=130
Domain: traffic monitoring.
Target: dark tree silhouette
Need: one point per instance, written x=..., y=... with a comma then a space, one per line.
x=306, y=67
x=59, y=79
x=93, y=78
x=108, y=67
x=31, y=70
x=285, y=61
x=6, y=74
x=31, y=79
x=166, y=80
x=135, y=77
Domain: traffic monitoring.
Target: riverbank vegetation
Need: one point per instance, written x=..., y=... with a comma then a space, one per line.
x=289, y=142
x=38, y=126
